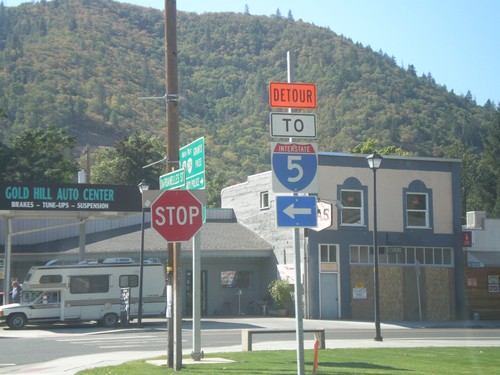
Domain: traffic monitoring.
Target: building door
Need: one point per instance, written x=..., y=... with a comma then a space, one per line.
x=329, y=301
x=328, y=281
x=189, y=293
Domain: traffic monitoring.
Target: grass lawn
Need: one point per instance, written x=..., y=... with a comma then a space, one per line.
x=333, y=361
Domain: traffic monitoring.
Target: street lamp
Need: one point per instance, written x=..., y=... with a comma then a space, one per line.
x=374, y=160
x=143, y=186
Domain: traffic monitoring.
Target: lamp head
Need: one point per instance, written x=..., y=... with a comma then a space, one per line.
x=374, y=160
x=143, y=186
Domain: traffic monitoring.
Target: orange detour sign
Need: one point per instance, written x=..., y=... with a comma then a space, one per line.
x=292, y=95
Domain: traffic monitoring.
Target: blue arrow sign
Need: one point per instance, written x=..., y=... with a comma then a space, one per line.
x=295, y=211
x=294, y=167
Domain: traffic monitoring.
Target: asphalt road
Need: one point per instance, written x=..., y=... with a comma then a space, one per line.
x=38, y=344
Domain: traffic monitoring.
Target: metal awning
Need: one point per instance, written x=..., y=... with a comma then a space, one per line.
x=483, y=258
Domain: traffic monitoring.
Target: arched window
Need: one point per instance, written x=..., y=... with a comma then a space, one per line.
x=351, y=195
x=417, y=203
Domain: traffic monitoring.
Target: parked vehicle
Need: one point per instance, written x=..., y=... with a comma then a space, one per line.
x=88, y=292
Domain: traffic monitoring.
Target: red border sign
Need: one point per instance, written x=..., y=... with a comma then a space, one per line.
x=177, y=215
x=292, y=95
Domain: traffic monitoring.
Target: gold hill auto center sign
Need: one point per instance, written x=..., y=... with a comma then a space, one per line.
x=69, y=197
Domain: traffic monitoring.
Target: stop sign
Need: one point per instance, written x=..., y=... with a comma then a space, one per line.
x=177, y=215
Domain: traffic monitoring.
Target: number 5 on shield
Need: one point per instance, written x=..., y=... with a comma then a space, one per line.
x=293, y=163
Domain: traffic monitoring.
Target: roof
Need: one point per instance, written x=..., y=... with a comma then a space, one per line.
x=217, y=239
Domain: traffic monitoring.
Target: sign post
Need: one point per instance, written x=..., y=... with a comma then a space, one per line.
x=294, y=170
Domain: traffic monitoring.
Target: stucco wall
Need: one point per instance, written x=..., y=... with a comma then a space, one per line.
x=390, y=195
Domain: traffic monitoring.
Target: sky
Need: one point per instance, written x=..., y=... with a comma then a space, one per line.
x=456, y=41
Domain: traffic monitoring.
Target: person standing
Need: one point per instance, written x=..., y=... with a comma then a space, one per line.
x=15, y=294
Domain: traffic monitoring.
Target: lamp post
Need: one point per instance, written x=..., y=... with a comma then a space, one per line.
x=374, y=160
x=143, y=186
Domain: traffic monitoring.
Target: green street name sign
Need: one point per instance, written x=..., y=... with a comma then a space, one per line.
x=192, y=160
x=173, y=180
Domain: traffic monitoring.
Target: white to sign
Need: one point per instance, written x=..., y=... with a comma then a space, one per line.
x=295, y=125
x=294, y=167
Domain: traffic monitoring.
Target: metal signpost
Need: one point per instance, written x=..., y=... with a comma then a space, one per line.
x=295, y=168
x=191, y=176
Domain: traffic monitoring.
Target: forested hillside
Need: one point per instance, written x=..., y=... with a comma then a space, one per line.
x=84, y=64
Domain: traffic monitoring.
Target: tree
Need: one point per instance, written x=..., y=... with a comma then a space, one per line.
x=472, y=197
x=5, y=158
x=41, y=155
x=369, y=147
x=490, y=163
x=123, y=164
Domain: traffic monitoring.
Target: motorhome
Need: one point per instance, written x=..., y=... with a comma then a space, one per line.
x=88, y=292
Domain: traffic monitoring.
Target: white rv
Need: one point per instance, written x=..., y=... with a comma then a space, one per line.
x=86, y=293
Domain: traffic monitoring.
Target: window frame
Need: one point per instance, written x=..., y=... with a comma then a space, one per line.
x=332, y=263
x=360, y=209
x=51, y=279
x=77, y=282
x=408, y=256
x=226, y=285
x=411, y=223
x=264, y=200
x=128, y=281
x=417, y=187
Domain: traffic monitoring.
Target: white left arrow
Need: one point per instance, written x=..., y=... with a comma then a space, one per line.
x=291, y=211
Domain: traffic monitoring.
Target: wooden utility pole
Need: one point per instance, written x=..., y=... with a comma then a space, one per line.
x=174, y=345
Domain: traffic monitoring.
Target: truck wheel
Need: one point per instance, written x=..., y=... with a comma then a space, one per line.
x=17, y=321
x=110, y=320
